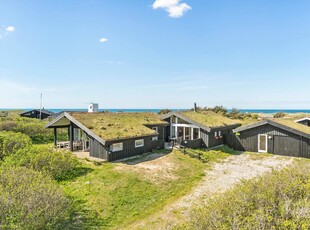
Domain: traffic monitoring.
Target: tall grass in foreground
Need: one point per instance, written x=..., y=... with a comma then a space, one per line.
x=278, y=200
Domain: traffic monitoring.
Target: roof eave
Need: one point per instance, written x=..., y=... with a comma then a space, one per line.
x=276, y=124
x=77, y=123
x=226, y=126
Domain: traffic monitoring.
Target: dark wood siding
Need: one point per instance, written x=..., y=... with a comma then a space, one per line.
x=233, y=141
x=129, y=148
x=204, y=138
x=216, y=141
x=194, y=144
x=161, y=129
x=282, y=142
x=97, y=150
x=208, y=139
x=167, y=134
x=35, y=114
x=287, y=146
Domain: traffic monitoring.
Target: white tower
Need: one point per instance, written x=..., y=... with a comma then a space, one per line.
x=93, y=108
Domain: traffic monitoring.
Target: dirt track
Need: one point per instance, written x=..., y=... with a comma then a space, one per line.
x=220, y=178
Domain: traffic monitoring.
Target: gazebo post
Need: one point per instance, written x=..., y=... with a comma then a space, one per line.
x=71, y=136
x=55, y=136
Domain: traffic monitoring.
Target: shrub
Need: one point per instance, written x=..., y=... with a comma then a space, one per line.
x=30, y=200
x=164, y=111
x=279, y=200
x=255, y=116
x=34, y=128
x=219, y=109
x=279, y=115
x=59, y=164
x=11, y=142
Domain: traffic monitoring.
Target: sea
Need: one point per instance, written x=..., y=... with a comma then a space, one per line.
x=267, y=111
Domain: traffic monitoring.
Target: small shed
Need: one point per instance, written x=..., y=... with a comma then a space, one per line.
x=35, y=113
x=277, y=136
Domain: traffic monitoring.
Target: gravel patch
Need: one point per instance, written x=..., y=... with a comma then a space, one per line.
x=220, y=178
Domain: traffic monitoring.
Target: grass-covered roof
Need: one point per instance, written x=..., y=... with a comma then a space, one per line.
x=209, y=118
x=112, y=126
x=292, y=124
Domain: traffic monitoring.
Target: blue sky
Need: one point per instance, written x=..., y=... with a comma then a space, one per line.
x=169, y=54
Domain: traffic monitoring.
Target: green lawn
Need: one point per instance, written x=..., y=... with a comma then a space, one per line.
x=116, y=194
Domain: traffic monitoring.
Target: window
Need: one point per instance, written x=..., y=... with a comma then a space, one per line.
x=215, y=134
x=195, y=133
x=155, y=128
x=220, y=133
x=117, y=147
x=262, y=143
x=154, y=138
x=139, y=143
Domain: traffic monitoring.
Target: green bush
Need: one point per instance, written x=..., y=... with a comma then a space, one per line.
x=164, y=111
x=11, y=142
x=279, y=200
x=34, y=128
x=59, y=164
x=30, y=200
x=279, y=115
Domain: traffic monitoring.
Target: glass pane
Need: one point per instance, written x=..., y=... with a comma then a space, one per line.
x=262, y=145
x=187, y=133
x=196, y=133
x=180, y=132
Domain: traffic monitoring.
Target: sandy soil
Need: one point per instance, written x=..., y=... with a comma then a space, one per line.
x=219, y=179
x=155, y=167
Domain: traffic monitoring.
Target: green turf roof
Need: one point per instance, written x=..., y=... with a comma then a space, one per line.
x=292, y=124
x=112, y=126
x=209, y=118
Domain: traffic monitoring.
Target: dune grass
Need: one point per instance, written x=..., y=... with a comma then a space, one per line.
x=210, y=119
x=213, y=155
x=276, y=200
x=111, y=126
x=110, y=198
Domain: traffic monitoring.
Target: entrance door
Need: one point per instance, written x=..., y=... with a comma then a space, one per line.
x=262, y=143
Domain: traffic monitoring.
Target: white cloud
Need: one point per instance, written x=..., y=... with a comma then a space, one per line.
x=5, y=30
x=10, y=28
x=174, y=8
x=103, y=40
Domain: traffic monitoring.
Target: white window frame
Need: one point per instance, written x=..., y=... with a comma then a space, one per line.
x=215, y=134
x=155, y=128
x=140, y=145
x=220, y=133
x=155, y=138
x=114, y=147
x=266, y=147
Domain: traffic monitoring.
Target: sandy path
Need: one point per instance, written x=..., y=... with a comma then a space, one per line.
x=220, y=178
